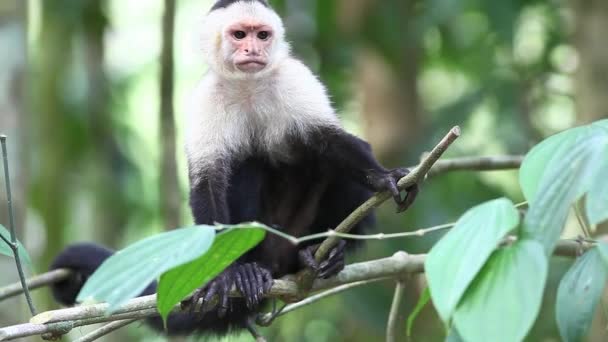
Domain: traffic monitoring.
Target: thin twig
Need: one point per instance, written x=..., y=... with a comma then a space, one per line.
x=61, y=328
x=93, y=311
x=491, y=163
x=35, y=282
x=392, y=328
x=379, y=236
x=105, y=330
x=13, y=244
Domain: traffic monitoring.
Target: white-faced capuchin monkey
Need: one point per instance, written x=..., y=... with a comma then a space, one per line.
x=263, y=144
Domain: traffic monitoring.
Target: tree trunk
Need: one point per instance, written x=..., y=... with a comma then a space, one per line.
x=592, y=75
x=169, y=185
x=391, y=103
x=13, y=43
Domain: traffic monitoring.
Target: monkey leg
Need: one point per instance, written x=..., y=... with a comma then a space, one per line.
x=328, y=268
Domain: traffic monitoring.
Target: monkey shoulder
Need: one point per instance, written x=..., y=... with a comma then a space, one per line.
x=303, y=93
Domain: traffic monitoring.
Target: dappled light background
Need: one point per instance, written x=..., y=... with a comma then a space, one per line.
x=80, y=101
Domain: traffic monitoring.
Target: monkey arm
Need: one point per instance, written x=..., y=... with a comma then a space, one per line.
x=208, y=195
x=354, y=157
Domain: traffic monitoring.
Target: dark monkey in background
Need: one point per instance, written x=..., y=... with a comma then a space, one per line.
x=263, y=144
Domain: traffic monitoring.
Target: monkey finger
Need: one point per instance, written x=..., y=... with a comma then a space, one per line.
x=338, y=250
x=399, y=173
x=412, y=193
x=268, y=280
x=246, y=285
x=252, y=280
x=194, y=302
x=240, y=284
x=259, y=280
x=332, y=270
x=211, y=292
x=307, y=258
x=224, y=298
x=394, y=190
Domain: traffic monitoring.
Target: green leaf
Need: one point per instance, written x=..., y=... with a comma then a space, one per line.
x=128, y=272
x=602, y=247
x=6, y=249
x=457, y=258
x=453, y=336
x=579, y=292
x=567, y=178
x=596, y=205
x=179, y=282
x=424, y=299
x=504, y=300
x=601, y=123
x=535, y=165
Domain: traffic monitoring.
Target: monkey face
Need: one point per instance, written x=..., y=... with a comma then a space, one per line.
x=249, y=45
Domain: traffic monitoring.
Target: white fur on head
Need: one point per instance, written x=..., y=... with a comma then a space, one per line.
x=217, y=21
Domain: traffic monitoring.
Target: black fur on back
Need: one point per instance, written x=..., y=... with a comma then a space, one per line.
x=225, y=3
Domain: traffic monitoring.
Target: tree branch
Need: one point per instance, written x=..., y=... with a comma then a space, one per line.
x=33, y=283
x=492, y=163
x=60, y=322
x=106, y=329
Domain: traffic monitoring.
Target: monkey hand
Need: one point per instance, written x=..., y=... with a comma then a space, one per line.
x=333, y=265
x=251, y=279
x=387, y=181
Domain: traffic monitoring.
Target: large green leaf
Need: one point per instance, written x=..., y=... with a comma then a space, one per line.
x=535, y=165
x=504, y=300
x=179, y=282
x=596, y=206
x=601, y=123
x=602, y=247
x=128, y=272
x=579, y=292
x=457, y=258
x=6, y=249
x=453, y=336
x=567, y=178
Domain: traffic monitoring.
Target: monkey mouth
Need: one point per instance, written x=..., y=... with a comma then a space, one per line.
x=251, y=65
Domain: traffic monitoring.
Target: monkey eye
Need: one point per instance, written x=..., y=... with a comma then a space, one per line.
x=263, y=35
x=239, y=34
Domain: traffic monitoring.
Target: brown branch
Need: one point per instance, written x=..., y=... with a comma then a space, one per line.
x=392, y=328
x=60, y=322
x=34, y=283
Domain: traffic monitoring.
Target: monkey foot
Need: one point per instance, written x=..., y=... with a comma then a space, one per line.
x=333, y=265
x=251, y=279
x=388, y=182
